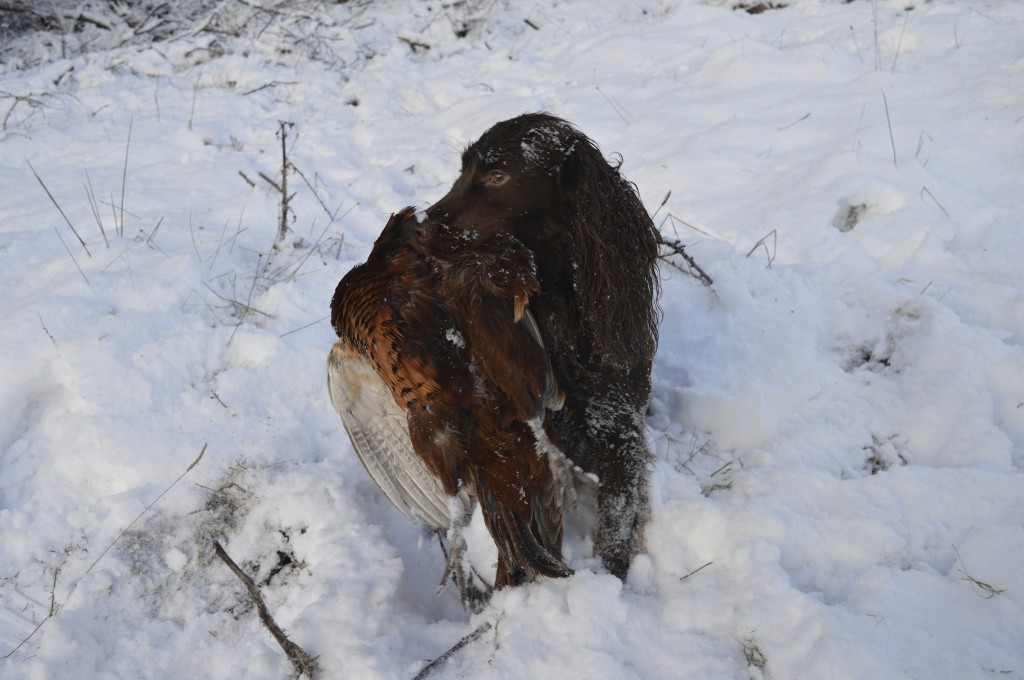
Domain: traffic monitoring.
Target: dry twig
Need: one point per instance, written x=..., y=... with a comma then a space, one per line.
x=675, y=247
x=303, y=663
x=703, y=566
x=282, y=227
x=763, y=243
x=440, y=661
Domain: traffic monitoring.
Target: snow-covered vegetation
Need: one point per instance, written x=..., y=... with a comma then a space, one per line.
x=838, y=420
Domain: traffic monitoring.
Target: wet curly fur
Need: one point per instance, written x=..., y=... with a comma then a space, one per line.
x=540, y=179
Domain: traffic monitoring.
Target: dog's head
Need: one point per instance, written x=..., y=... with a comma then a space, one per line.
x=513, y=179
x=539, y=179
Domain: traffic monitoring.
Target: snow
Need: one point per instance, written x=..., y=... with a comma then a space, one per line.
x=838, y=421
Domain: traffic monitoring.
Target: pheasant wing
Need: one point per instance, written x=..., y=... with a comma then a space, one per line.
x=379, y=432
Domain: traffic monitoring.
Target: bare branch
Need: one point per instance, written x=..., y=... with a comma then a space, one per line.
x=303, y=663
x=675, y=247
x=440, y=661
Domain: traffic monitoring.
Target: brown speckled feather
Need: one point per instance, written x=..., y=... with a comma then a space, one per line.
x=443, y=323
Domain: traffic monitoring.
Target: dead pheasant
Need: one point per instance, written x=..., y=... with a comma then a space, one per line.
x=443, y=384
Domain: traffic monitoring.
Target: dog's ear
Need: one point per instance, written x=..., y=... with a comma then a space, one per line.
x=614, y=252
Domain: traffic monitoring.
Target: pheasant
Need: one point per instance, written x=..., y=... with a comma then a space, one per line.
x=443, y=384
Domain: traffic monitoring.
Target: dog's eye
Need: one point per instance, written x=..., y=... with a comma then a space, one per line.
x=497, y=177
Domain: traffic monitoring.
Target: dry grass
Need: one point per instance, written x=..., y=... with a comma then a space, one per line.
x=982, y=589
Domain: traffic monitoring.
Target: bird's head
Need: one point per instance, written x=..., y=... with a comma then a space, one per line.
x=430, y=237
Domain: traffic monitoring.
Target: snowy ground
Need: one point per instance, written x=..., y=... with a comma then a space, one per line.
x=838, y=421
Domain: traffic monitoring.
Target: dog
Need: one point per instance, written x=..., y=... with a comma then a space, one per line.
x=539, y=179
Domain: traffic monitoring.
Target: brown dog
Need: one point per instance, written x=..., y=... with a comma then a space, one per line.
x=539, y=179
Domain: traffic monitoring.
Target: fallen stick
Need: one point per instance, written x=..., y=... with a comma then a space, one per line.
x=304, y=663
x=675, y=247
x=439, y=661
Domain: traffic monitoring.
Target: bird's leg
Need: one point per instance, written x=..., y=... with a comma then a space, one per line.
x=485, y=593
x=457, y=566
x=563, y=470
x=587, y=480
